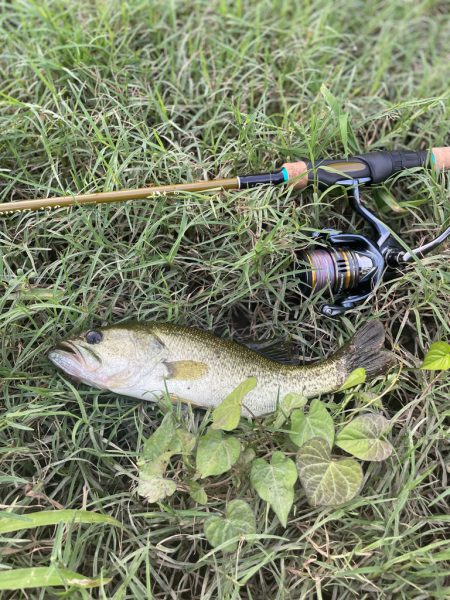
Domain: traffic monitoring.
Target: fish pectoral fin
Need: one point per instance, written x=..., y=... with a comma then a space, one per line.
x=186, y=370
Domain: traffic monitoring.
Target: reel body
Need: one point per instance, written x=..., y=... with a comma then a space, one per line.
x=349, y=265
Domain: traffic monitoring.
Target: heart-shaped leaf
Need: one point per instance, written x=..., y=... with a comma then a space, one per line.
x=327, y=482
x=197, y=492
x=292, y=401
x=316, y=423
x=216, y=453
x=226, y=416
x=160, y=440
x=362, y=438
x=155, y=488
x=183, y=442
x=274, y=483
x=167, y=440
x=239, y=521
x=289, y=403
x=356, y=377
x=437, y=358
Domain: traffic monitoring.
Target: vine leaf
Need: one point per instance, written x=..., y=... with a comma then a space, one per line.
x=437, y=358
x=327, y=482
x=197, y=492
x=155, y=487
x=316, y=423
x=356, y=377
x=362, y=438
x=159, y=441
x=167, y=440
x=239, y=521
x=289, y=402
x=227, y=414
x=183, y=442
x=216, y=453
x=274, y=483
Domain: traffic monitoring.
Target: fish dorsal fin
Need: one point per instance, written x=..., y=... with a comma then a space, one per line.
x=273, y=349
x=186, y=370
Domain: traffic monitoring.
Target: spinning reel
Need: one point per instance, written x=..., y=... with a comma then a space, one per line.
x=350, y=265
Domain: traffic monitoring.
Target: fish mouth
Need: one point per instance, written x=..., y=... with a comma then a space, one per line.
x=75, y=360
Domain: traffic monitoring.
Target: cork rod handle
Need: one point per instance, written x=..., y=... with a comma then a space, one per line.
x=297, y=172
x=441, y=158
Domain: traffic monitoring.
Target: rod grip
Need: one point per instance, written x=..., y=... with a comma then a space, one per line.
x=296, y=173
x=441, y=158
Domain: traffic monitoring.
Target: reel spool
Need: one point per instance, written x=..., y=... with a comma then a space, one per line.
x=350, y=266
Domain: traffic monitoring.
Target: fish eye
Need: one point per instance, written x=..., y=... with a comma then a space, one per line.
x=94, y=337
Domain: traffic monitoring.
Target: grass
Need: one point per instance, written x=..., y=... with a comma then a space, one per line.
x=103, y=95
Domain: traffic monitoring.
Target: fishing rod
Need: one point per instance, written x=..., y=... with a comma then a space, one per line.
x=347, y=266
x=371, y=168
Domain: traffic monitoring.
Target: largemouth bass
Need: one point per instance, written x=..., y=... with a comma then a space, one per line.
x=145, y=360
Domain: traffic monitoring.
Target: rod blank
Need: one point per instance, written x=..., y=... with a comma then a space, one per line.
x=118, y=196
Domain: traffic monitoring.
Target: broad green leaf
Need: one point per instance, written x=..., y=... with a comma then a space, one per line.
x=289, y=403
x=292, y=401
x=183, y=442
x=226, y=416
x=437, y=358
x=21, y=579
x=216, y=453
x=197, y=492
x=274, y=483
x=155, y=487
x=160, y=440
x=247, y=456
x=167, y=440
x=239, y=521
x=316, y=423
x=356, y=377
x=362, y=438
x=10, y=522
x=326, y=481
x=157, y=467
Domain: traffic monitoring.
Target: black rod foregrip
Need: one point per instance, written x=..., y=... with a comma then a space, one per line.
x=377, y=166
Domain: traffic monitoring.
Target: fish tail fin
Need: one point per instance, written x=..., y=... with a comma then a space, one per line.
x=366, y=350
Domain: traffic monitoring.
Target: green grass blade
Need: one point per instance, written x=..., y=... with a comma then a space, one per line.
x=10, y=522
x=21, y=579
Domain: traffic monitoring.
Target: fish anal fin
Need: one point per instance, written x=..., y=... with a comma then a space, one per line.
x=186, y=370
x=174, y=398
